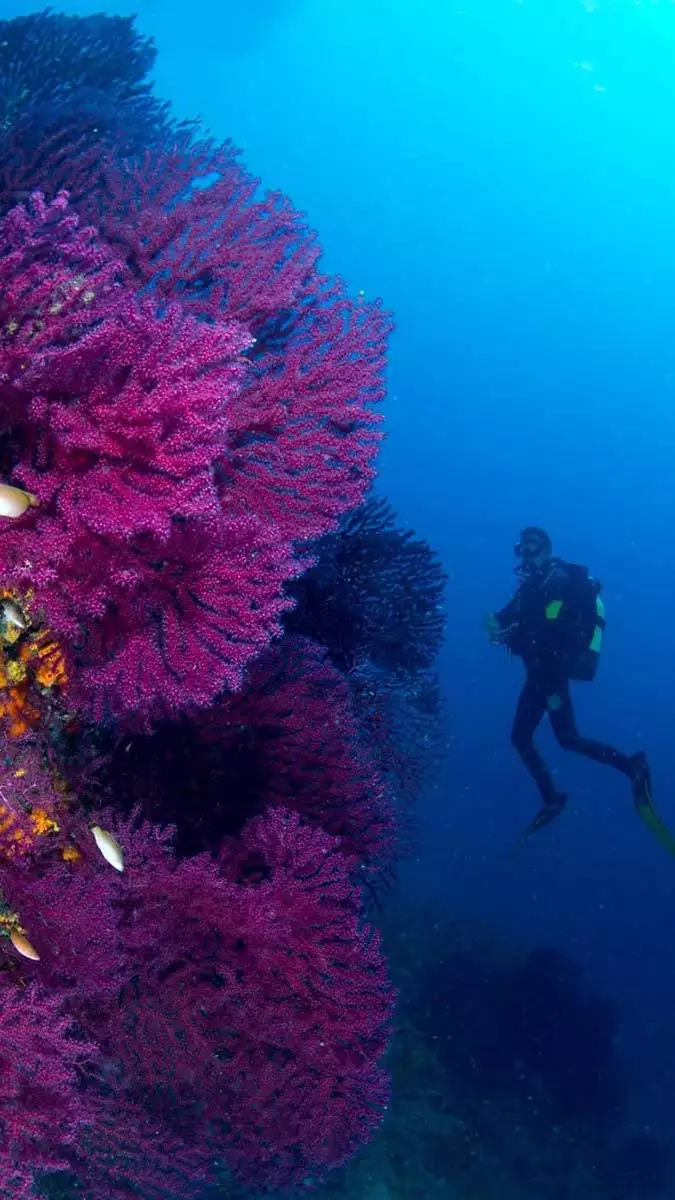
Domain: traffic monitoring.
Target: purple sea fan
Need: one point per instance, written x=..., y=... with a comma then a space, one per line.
x=131, y=1152
x=311, y=1011
x=117, y=416
x=43, y=1110
x=190, y=622
x=69, y=912
x=255, y=1014
x=69, y=88
x=191, y=227
x=244, y=1012
x=295, y=721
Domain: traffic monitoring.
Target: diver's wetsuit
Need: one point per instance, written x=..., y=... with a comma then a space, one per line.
x=548, y=648
x=545, y=685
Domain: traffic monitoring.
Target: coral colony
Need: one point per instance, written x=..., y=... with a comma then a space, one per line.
x=195, y=785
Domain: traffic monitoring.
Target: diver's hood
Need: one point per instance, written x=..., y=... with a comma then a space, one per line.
x=534, y=544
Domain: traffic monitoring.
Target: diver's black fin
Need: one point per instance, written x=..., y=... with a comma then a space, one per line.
x=546, y=814
x=644, y=805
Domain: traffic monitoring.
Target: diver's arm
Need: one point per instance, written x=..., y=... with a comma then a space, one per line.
x=492, y=627
x=498, y=623
x=510, y=613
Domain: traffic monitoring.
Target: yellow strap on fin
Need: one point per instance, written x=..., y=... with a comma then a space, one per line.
x=552, y=610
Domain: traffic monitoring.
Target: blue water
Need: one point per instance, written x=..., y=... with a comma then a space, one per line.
x=503, y=175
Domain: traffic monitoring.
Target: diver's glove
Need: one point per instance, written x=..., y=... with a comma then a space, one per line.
x=493, y=629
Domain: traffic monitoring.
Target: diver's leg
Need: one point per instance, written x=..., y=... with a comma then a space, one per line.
x=562, y=718
x=529, y=712
x=636, y=767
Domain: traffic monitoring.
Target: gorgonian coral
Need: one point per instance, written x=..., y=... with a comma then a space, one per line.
x=296, y=719
x=243, y=1013
x=190, y=227
x=305, y=1085
x=187, y=396
x=116, y=418
x=188, y=401
x=33, y=671
x=30, y=807
x=404, y=725
x=70, y=86
x=44, y=1111
x=373, y=597
x=290, y=737
x=374, y=594
x=127, y=426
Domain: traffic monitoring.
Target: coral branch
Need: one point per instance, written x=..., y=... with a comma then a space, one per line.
x=117, y=420
x=190, y=227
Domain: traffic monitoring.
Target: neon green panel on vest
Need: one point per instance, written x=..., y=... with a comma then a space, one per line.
x=552, y=610
x=596, y=640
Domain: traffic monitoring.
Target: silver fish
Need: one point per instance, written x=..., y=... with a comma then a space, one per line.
x=14, y=501
x=12, y=614
x=109, y=847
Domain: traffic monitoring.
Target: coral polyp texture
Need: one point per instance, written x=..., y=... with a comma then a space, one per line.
x=297, y=719
x=290, y=737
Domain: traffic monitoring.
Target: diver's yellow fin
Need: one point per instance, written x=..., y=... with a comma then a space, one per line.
x=644, y=807
x=648, y=814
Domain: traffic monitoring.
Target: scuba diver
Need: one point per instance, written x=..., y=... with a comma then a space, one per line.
x=555, y=623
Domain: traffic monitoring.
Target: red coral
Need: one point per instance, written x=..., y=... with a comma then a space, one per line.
x=174, y=473
x=211, y=603
x=56, y=276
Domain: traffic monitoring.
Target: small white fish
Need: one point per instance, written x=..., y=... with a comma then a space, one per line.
x=109, y=847
x=14, y=501
x=12, y=614
x=23, y=946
